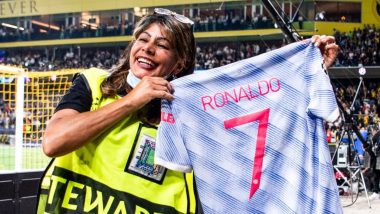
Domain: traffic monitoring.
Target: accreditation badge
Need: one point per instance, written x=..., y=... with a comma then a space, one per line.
x=141, y=159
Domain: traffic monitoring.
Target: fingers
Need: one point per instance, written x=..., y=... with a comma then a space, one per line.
x=327, y=39
x=157, y=87
x=150, y=88
x=328, y=48
x=330, y=54
x=163, y=91
x=333, y=46
x=332, y=50
x=160, y=84
x=314, y=38
x=165, y=95
x=322, y=40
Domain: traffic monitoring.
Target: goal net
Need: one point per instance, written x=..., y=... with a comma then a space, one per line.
x=27, y=101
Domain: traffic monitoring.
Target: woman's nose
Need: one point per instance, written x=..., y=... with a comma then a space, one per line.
x=149, y=48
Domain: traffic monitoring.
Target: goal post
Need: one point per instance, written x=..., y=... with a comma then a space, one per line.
x=27, y=101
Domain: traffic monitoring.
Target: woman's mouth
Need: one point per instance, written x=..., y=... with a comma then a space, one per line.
x=146, y=63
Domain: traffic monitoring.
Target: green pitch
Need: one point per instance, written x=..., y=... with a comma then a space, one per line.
x=32, y=158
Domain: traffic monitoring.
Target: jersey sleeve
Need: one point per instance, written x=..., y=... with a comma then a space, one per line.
x=322, y=97
x=170, y=149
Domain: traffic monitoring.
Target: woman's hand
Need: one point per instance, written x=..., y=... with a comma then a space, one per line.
x=148, y=89
x=328, y=47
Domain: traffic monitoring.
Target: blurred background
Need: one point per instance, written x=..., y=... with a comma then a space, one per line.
x=44, y=42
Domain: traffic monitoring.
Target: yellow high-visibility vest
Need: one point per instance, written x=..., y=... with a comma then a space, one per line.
x=115, y=173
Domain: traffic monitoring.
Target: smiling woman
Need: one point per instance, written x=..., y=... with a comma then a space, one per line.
x=103, y=131
x=153, y=55
x=161, y=33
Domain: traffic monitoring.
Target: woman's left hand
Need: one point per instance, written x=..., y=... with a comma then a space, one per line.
x=328, y=47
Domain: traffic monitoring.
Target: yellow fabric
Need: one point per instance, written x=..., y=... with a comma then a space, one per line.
x=79, y=180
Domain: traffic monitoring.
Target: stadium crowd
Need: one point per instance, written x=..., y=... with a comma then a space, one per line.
x=359, y=46
x=365, y=109
x=208, y=56
x=202, y=23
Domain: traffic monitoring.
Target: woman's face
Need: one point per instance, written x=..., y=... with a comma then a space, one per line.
x=152, y=54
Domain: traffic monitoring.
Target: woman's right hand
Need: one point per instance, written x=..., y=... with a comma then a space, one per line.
x=148, y=89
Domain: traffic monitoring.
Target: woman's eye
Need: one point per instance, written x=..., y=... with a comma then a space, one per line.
x=143, y=39
x=163, y=46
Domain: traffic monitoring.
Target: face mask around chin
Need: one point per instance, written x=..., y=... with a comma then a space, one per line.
x=132, y=80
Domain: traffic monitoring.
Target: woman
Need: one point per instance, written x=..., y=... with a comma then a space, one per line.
x=103, y=131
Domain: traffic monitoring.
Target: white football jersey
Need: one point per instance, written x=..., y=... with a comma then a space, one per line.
x=253, y=133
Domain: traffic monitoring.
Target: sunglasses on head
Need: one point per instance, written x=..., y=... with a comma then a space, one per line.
x=178, y=17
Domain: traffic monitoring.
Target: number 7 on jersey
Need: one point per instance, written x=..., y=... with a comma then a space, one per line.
x=262, y=117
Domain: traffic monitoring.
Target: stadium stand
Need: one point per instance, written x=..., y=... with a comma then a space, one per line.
x=37, y=35
x=359, y=46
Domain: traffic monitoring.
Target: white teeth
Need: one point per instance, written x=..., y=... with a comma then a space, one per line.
x=142, y=60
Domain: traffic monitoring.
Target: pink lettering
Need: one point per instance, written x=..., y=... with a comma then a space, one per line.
x=237, y=94
x=275, y=84
x=170, y=118
x=254, y=92
x=229, y=95
x=222, y=98
x=243, y=94
x=167, y=117
x=263, y=85
x=250, y=91
x=206, y=102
